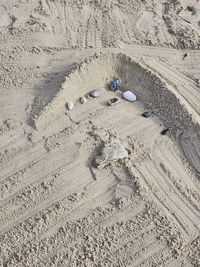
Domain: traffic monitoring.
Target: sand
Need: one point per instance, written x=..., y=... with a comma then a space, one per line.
x=57, y=208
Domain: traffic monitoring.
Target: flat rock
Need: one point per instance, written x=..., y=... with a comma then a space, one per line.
x=112, y=151
x=128, y=95
x=70, y=105
x=96, y=93
x=113, y=101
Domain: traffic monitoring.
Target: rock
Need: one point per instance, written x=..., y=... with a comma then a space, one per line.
x=184, y=56
x=112, y=151
x=115, y=85
x=83, y=100
x=128, y=95
x=165, y=131
x=70, y=105
x=147, y=114
x=113, y=101
x=96, y=93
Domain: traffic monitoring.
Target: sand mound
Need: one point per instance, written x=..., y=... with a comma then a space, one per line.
x=97, y=71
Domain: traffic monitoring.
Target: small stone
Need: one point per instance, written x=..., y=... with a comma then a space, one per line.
x=184, y=56
x=70, y=105
x=115, y=85
x=83, y=100
x=96, y=93
x=165, y=131
x=147, y=114
x=113, y=101
x=128, y=95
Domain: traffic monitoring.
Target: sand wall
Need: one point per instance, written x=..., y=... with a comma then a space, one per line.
x=91, y=74
x=99, y=70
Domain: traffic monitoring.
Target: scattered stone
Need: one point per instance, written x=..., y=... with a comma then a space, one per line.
x=113, y=101
x=184, y=56
x=70, y=105
x=115, y=85
x=128, y=95
x=96, y=93
x=147, y=114
x=112, y=151
x=165, y=131
x=83, y=100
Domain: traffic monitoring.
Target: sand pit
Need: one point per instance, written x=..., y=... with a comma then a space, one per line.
x=100, y=185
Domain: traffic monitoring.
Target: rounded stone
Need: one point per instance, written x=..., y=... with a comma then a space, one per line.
x=147, y=114
x=115, y=85
x=70, y=105
x=128, y=95
x=96, y=93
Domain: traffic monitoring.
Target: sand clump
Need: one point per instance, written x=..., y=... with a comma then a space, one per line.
x=111, y=152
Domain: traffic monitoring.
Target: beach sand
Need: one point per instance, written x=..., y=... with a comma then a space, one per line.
x=57, y=208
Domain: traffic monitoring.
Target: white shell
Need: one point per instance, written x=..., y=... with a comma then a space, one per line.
x=128, y=95
x=96, y=93
x=70, y=105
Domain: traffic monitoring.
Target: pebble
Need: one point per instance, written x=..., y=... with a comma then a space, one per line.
x=70, y=105
x=165, y=131
x=147, y=114
x=83, y=100
x=113, y=101
x=115, y=85
x=128, y=95
x=96, y=93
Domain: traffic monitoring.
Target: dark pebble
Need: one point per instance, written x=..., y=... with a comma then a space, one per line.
x=147, y=114
x=165, y=131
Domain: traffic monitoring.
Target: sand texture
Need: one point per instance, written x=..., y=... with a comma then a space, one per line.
x=99, y=185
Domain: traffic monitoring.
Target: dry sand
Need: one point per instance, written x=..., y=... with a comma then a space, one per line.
x=57, y=208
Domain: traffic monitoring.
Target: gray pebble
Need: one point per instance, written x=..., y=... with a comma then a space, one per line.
x=96, y=93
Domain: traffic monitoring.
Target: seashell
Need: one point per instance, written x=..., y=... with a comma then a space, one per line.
x=113, y=101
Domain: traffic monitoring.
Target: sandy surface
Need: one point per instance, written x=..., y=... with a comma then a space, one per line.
x=57, y=208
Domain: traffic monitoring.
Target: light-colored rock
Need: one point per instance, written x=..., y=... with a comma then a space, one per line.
x=70, y=105
x=112, y=151
x=96, y=93
x=128, y=95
